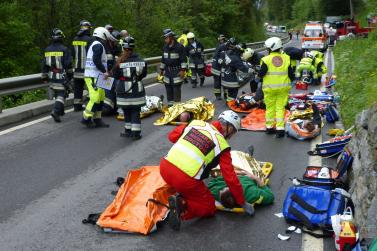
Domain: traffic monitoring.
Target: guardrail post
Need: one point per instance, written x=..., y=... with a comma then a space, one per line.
x=1, y=104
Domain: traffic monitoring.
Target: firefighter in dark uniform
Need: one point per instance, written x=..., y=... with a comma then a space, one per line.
x=57, y=70
x=216, y=67
x=254, y=58
x=128, y=72
x=80, y=46
x=173, y=67
x=113, y=51
x=195, y=50
x=232, y=64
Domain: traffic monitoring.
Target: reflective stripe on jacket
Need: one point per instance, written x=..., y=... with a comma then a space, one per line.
x=198, y=149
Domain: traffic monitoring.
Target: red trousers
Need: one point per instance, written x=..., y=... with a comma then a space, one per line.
x=200, y=201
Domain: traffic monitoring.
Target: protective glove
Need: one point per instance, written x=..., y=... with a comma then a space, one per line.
x=249, y=209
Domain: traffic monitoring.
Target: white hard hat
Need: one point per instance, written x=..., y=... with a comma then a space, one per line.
x=248, y=53
x=232, y=118
x=103, y=34
x=273, y=43
x=190, y=35
x=309, y=54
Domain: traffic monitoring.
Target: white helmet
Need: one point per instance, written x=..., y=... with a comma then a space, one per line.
x=103, y=34
x=232, y=118
x=309, y=54
x=190, y=35
x=248, y=53
x=273, y=43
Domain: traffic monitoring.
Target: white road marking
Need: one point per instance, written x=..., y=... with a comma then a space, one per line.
x=310, y=243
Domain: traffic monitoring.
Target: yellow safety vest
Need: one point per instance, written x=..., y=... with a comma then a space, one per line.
x=184, y=37
x=277, y=74
x=306, y=61
x=197, y=148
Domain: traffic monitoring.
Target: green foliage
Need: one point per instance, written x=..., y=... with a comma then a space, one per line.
x=26, y=25
x=17, y=49
x=356, y=70
x=24, y=98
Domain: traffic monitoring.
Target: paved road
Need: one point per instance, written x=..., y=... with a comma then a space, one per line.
x=54, y=175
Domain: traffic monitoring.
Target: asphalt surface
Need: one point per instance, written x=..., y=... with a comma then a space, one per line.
x=53, y=175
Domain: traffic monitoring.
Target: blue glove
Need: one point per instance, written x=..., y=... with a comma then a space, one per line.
x=249, y=209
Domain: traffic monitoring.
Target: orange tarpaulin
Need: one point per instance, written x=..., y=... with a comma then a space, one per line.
x=232, y=105
x=131, y=211
x=256, y=120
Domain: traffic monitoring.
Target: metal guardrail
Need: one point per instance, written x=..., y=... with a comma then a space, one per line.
x=20, y=84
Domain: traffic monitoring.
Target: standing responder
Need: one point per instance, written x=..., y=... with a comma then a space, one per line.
x=80, y=46
x=199, y=147
x=112, y=53
x=216, y=66
x=277, y=75
x=195, y=50
x=96, y=65
x=129, y=70
x=319, y=66
x=173, y=67
x=307, y=63
x=57, y=70
x=233, y=64
x=254, y=58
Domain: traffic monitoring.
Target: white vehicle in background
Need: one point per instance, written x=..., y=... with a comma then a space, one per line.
x=314, y=37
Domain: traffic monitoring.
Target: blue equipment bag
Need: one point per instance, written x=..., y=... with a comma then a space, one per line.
x=330, y=147
x=331, y=113
x=312, y=207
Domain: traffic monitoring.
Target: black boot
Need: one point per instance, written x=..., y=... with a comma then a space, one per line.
x=56, y=117
x=126, y=133
x=88, y=122
x=136, y=135
x=176, y=206
x=280, y=134
x=100, y=124
x=194, y=85
x=218, y=97
x=270, y=131
x=202, y=81
x=77, y=108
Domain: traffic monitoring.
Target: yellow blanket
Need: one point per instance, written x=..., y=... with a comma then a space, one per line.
x=199, y=107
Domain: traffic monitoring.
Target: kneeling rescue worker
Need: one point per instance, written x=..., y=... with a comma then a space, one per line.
x=199, y=147
x=96, y=64
x=277, y=75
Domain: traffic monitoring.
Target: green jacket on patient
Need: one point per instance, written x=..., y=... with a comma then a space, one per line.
x=253, y=193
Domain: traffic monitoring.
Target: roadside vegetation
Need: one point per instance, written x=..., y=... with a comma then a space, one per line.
x=356, y=71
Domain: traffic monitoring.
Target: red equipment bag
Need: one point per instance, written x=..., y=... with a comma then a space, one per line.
x=208, y=70
x=301, y=85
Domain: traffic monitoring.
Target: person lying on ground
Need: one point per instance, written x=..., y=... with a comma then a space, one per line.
x=255, y=191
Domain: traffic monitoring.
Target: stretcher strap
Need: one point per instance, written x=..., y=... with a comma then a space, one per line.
x=158, y=203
